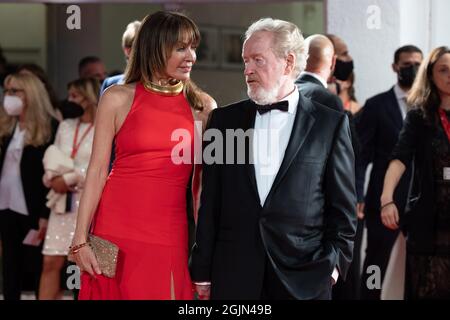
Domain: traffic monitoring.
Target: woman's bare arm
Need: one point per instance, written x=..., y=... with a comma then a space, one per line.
x=389, y=211
x=112, y=109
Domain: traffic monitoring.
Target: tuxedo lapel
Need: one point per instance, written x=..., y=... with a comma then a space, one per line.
x=303, y=123
x=248, y=122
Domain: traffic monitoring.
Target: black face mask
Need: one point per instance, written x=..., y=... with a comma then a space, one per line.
x=407, y=75
x=71, y=110
x=343, y=70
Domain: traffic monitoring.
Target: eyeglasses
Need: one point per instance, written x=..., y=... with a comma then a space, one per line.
x=12, y=91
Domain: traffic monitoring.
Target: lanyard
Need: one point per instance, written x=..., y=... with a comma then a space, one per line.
x=445, y=122
x=75, y=145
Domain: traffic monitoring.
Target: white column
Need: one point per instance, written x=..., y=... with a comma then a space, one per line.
x=374, y=29
x=415, y=23
x=440, y=26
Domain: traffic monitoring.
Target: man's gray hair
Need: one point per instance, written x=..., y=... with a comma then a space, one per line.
x=287, y=39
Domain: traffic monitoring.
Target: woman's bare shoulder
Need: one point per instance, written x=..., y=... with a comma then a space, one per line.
x=119, y=92
x=118, y=97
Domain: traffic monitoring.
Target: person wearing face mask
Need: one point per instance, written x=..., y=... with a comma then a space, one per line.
x=344, y=64
x=347, y=94
x=27, y=127
x=73, y=140
x=141, y=205
x=88, y=67
x=378, y=125
x=32, y=68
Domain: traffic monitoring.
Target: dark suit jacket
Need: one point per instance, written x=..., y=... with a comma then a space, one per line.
x=108, y=82
x=415, y=144
x=32, y=171
x=378, y=126
x=312, y=88
x=307, y=224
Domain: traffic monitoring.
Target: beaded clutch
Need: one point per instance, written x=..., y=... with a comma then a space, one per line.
x=106, y=253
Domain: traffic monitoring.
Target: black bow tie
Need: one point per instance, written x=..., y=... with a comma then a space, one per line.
x=282, y=106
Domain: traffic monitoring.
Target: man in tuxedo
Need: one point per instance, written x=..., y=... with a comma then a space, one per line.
x=277, y=217
x=378, y=126
x=319, y=67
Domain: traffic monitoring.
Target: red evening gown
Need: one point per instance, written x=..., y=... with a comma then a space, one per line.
x=143, y=205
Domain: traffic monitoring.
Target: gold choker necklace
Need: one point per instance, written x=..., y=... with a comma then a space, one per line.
x=168, y=90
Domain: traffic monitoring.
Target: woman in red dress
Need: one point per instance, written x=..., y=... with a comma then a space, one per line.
x=141, y=205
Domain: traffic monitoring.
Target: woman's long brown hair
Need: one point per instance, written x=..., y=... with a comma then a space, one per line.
x=158, y=35
x=424, y=93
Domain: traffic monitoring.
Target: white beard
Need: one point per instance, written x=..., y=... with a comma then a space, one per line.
x=262, y=96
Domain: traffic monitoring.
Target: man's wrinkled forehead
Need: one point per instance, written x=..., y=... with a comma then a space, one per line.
x=258, y=44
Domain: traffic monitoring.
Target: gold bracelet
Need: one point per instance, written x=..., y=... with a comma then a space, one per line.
x=75, y=249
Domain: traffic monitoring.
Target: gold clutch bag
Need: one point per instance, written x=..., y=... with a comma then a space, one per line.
x=106, y=253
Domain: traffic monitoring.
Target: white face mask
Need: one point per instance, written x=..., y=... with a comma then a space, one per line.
x=13, y=105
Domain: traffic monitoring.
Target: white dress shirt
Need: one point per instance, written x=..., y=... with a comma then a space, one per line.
x=401, y=98
x=11, y=189
x=270, y=139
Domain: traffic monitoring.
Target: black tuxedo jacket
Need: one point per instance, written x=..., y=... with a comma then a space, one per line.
x=31, y=172
x=307, y=224
x=312, y=88
x=379, y=125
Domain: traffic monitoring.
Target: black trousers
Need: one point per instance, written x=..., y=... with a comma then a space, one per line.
x=350, y=288
x=380, y=241
x=273, y=288
x=21, y=264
